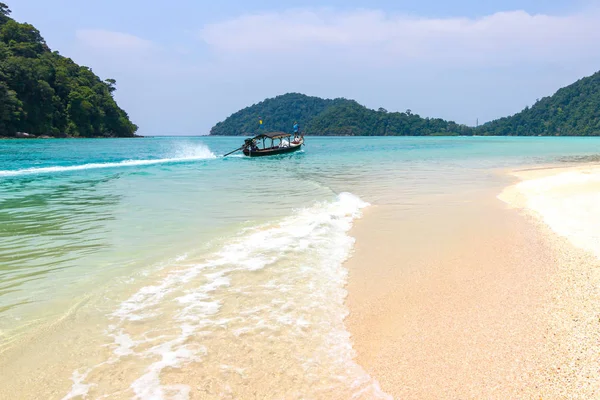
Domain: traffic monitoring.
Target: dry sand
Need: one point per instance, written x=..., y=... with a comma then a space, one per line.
x=470, y=299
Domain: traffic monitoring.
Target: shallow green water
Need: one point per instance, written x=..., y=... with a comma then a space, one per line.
x=77, y=214
x=74, y=210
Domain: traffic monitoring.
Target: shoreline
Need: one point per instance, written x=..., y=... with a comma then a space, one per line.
x=473, y=299
x=47, y=137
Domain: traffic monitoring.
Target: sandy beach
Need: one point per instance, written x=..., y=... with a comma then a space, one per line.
x=474, y=297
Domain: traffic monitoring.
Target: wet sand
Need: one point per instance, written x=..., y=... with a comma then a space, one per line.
x=469, y=298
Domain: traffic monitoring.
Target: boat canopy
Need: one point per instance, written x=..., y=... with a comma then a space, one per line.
x=272, y=135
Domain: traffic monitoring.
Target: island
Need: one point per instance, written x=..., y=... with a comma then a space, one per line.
x=571, y=111
x=43, y=94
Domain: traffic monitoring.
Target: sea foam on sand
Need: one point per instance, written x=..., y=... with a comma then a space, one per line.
x=262, y=316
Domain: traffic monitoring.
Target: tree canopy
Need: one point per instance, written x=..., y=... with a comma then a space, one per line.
x=44, y=93
x=277, y=114
x=330, y=117
x=572, y=111
x=352, y=119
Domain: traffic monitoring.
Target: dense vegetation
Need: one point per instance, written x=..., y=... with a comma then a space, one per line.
x=44, y=93
x=278, y=114
x=331, y=117
x=353, y=119
x=573, y=111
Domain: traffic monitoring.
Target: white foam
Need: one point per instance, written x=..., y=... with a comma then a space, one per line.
x=202, y=154
x=78, y=389
x=148, y=386
x=124, y=344
x=182, y=257
x=300, y=259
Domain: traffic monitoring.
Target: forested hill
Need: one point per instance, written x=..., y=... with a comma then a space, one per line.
x=318, y=116
x=44, y=93
x=352, y=119
x=277, y=114
x=572, y=111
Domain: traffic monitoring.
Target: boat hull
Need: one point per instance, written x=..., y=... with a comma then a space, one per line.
x=273, y=152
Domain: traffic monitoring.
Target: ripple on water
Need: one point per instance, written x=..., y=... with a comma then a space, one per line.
x=266, y=309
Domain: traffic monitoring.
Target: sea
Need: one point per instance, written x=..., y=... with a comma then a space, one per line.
x=156, y=268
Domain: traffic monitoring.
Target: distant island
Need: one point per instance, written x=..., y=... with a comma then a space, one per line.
x=339, y=117
x=572, y=111
x=45, y=94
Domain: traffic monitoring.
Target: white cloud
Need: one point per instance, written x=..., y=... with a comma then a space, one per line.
x=380, y=37
x=455, y=68
x=99, y=39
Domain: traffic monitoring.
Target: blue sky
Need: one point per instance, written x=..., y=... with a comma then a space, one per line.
x=183, y=66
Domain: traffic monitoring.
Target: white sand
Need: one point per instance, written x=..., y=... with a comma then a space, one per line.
x=474, y=299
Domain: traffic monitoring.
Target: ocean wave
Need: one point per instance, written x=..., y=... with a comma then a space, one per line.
x=271, y=299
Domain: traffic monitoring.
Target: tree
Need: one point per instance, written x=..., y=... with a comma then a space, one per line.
x=111, y=83
x=10, y=110
x=4, y=12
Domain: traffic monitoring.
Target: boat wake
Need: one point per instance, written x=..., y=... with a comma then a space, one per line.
x=201, y=153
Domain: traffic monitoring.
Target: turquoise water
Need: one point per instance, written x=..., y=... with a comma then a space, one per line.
x=76, y=215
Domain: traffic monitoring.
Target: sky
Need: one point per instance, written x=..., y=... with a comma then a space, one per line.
x=182, y=66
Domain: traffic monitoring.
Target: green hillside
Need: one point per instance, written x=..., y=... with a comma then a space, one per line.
x=318, y=116
x=572, y=111
x=353, y=119
x=278, y=114
x=44, y=93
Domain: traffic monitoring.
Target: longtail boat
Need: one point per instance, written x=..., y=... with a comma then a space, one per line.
x=272, y=143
